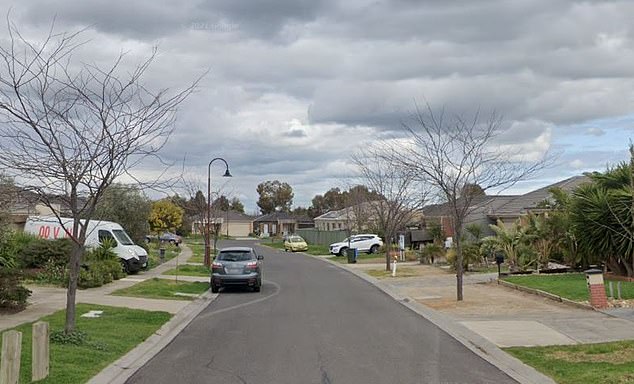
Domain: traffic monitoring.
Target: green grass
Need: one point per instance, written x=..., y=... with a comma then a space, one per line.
x=490, y=269
x=154, y=259
x=198, y=252
x=110, y=336
x=608, y=363
x=361, y=257
x=163, y=289
x=572, y=286
x=189, y=270
x=400, y=272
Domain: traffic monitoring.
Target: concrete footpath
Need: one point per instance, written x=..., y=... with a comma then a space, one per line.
x=47, y=300
x=504, y=316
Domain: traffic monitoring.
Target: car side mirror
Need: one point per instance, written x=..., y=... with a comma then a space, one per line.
x=260, y=257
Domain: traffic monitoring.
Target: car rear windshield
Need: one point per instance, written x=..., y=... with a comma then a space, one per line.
x=235, y=256
x=296, y=239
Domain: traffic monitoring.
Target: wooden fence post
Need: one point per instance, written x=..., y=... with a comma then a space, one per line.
x=11, y=350
x=40, y=351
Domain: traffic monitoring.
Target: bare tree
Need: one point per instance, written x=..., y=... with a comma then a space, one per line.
x=196, y=208
x=451, y=154
x=401, y=193
x=71, y=128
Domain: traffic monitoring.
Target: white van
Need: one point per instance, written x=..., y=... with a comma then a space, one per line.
x=133, y=258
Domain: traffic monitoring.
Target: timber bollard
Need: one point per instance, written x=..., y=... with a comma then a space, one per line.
x=40, y=351
x=11, y=352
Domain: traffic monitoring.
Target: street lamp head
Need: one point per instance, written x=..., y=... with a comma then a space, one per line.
x=227, y=173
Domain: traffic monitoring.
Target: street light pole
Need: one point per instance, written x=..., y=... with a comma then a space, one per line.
x=207, y=260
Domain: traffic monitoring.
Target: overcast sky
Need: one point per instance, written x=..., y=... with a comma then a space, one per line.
x=295, y=85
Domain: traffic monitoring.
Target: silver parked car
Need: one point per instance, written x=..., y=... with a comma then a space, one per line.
x=236, y=266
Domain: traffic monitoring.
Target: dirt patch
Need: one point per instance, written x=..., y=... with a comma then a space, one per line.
x=488, y=300
x=400, y=272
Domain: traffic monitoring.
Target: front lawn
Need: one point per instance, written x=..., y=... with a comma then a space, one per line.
x=156, y=288
x=189, y=270
x=400, y=272
x=107, y=338
x=362, y=258
x=198, y=250
x=153, y=252
x=580, y=364
x=572, y=286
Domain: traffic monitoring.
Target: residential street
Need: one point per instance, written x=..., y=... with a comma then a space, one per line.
x=313, y=323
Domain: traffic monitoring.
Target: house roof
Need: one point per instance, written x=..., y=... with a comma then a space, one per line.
x=523, y=203
x=344, y=213
x=233, y=216
x=282, y=216
x=477, y=202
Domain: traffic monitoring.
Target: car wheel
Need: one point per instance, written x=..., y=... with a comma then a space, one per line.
x=342, y=251
x=124, y=266
x=214, y=288
x=256, y=288
x=374, y=249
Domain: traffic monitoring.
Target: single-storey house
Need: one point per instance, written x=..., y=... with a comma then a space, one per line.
x=229, y=223
x=280, y=223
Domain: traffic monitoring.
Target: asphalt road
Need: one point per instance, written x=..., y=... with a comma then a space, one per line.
x=313, y=323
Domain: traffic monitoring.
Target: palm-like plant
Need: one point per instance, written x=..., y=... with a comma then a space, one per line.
x=602, y=215
x=509, y=240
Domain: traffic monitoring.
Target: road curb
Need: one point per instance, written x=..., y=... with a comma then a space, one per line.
x=119, y=371
x=482, y=347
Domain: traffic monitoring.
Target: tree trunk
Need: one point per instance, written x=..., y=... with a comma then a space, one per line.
x=388, y=248
x=459, y=261
x=74, y=265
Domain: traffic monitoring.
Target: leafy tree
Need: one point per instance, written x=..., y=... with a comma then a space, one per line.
x=560, y=217
x=165, y=216
x=221, y=203
x=543, y=236
x=128, y=206
x=274, y=196
x=7, y=197
x=236, y=205
x=602, y=218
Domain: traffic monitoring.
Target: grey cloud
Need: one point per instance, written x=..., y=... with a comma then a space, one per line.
x=144, y=19
x=594, y=131
x=296, y=133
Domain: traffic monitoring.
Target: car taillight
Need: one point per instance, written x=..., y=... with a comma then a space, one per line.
x=252, y=265
x=216, y=266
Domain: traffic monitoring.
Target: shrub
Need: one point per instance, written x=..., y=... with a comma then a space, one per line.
x=10, y=245
x=39, y=251
x=52, y=273
x=101, y=267
x=90, y=278
x=12, y=294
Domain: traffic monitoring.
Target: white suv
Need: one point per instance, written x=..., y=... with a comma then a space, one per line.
x=363, y=243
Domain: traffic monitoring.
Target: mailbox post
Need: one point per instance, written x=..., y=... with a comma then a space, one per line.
x=596, y=288
x=499, y=259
